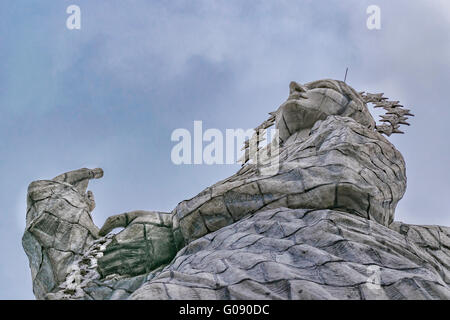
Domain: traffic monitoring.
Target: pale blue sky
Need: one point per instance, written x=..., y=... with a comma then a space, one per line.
x=110, y=94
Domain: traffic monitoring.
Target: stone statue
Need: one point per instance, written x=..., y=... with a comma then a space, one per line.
x=320, y=227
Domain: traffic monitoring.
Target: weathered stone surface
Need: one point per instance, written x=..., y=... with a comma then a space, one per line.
x=320, y=226
x=326, y=254
x=59, y=227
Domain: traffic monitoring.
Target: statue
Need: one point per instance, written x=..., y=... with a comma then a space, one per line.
x=320, y=227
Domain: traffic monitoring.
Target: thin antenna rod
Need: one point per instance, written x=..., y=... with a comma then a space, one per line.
x=345, y=78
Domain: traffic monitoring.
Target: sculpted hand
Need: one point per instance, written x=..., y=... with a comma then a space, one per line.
x=146, y=243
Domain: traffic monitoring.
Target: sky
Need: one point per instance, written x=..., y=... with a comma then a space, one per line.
x=110, y=94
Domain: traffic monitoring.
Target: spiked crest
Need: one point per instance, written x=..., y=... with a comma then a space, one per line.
x=395, y=115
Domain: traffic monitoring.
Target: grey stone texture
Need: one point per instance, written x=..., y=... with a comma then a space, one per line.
x=305, y=254
x=317, y=223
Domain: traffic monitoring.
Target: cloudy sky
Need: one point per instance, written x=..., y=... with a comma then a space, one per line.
x=110, y=94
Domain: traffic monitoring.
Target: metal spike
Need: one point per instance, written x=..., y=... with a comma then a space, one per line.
x=384, y=129
x=268, y=125
x=393, y=104
x=245, y=157
x=246, y=145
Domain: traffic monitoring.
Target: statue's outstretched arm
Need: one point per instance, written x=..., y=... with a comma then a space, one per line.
x=80, y=178
x=121, y=220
